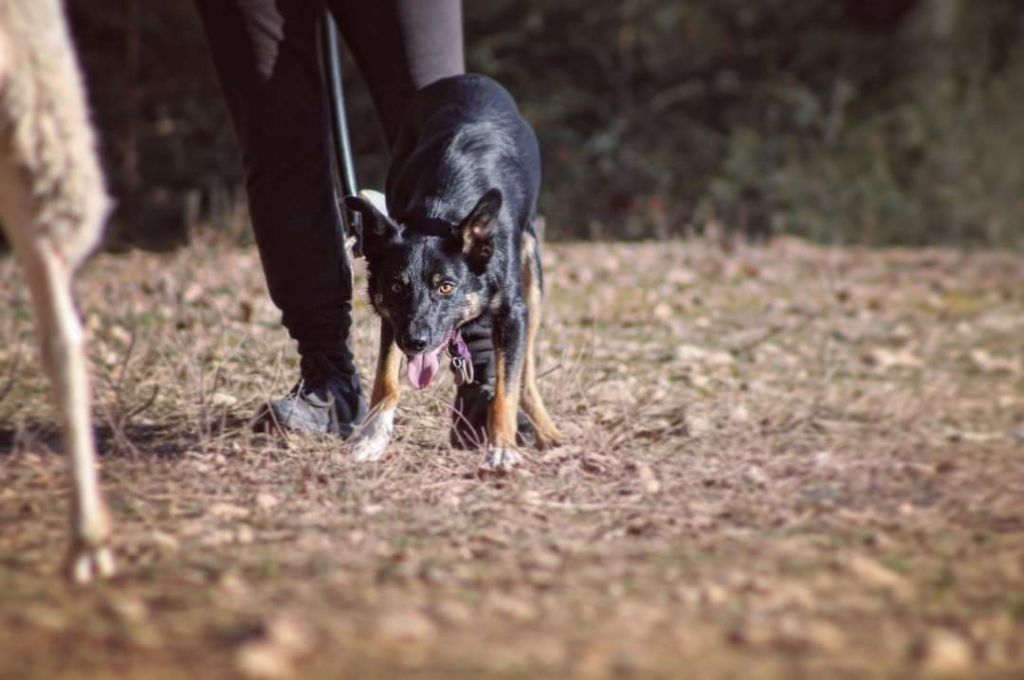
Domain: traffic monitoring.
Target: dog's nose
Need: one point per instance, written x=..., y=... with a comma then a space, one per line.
x=414, y=343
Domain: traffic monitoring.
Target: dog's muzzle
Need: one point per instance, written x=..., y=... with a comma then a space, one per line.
x=423, y=367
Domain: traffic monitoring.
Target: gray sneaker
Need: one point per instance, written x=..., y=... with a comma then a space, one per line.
x=326, y=400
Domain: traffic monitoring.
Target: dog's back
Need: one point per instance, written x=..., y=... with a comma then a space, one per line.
x=467, y=130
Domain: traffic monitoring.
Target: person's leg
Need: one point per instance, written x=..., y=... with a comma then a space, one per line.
x=265, y=55
x=401, y=46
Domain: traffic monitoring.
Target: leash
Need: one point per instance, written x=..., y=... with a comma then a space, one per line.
x=330, y=55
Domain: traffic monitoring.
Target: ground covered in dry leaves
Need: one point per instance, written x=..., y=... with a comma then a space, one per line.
x=785, y=461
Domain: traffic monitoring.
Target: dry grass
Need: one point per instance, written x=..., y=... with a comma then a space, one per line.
x=787, y=461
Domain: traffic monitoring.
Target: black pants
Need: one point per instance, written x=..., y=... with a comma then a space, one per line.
x=265, y=55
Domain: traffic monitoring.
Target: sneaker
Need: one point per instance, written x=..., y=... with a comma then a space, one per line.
x=326, y=400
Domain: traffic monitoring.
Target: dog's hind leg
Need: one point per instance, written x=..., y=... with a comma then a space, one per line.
x=547, y=433
x=372, y=439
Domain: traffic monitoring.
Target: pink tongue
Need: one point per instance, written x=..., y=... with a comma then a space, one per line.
x=422, y=368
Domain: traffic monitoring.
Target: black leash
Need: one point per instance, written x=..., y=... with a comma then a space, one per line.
x=330, y=48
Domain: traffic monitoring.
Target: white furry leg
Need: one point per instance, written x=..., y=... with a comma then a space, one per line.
x=61, y=339
x=372, y=439
x=85, y=564
x=52, y=206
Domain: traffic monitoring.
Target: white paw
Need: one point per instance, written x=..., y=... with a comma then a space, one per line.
x=502, y=459
x=85, y=564
x=372, y=439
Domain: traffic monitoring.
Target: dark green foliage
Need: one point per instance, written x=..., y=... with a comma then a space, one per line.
x=842, y=120
x=852, y=121
x=166, y=142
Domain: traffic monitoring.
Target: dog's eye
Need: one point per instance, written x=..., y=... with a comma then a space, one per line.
x=446, y=288
x=396, y=287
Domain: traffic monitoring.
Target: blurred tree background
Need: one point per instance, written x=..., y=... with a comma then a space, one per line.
x=851, y=121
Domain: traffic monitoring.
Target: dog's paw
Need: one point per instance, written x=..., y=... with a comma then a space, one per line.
x=372, y=439
x=549, y=437
x=502, y=458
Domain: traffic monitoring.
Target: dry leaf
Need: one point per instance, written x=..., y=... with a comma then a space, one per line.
x=406, y=626
x=989, y=363
x=943, y=652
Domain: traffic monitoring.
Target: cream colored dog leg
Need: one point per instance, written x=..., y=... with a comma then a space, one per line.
x=61, y=340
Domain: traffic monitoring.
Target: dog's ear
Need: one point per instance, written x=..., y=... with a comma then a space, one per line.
x=480, y=225
x=378, y=229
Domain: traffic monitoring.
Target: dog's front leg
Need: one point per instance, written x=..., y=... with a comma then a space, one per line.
x=509, y=350
x=373, y=437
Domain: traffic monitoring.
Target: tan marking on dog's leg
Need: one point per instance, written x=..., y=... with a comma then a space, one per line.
x=372, y=439
x=505, y=405
x=547, y=433
x=386, y=383
x=501, y=422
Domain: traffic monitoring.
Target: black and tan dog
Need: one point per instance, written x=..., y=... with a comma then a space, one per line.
x=456, y=242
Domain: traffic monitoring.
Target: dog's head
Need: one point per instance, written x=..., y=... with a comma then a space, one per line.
x=427, y=277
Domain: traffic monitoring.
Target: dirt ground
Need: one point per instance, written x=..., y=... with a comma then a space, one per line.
x=785, y=461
